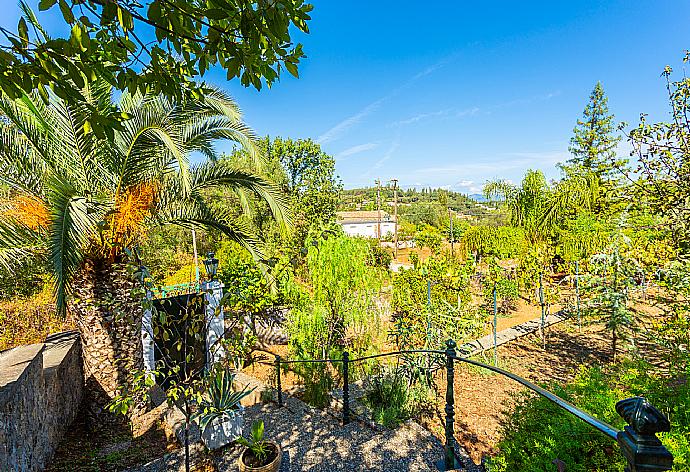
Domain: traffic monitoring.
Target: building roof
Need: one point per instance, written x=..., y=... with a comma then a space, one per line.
x=349, y=217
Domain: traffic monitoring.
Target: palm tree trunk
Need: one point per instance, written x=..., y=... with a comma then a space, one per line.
x=109, y=316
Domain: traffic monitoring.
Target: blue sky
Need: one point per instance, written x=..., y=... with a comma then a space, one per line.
x=454, y=93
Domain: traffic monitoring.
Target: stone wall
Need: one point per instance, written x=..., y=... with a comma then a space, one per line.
x=40, y=392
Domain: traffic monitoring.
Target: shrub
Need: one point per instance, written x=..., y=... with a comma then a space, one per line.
x=380, y=256
x=24, y=280
x=429, y=237
x=393, y=400
x=506, y=295
x=499, y=241
x=536, y=432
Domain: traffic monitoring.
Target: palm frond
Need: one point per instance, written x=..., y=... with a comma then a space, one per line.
x=225, y=175
x=20, y=168
x=498, y=190
x=17, y=242
x=151, y=141
x=74, y=220
x=30, y=123
x=197, y=215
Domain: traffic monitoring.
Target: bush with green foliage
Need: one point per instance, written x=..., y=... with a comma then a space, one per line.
x=429, y=237
x=499, y=241
x=340, y=313
x=25, y=279
x=671, y=334
x=393, y=399
x=380, y=256
x=535, y=431
x=247, y=288
x=608, y=290
x=582, y=237
x=506, y=294
x=418, y=323
x=449, y=282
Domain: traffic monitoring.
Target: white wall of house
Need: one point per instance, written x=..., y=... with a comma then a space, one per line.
x=368, y=229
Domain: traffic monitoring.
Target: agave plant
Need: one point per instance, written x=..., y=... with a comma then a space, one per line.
x=221, y=399
x=82, y=201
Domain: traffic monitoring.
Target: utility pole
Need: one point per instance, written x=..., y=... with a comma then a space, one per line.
x=395, y=212
x=452, y=235
x=196, y=256
x=378, y=207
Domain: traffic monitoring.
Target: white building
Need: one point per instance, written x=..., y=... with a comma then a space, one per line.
x=366, y=223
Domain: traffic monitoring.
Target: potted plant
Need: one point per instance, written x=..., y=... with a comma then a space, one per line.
x=260, y=455
x=220, y=411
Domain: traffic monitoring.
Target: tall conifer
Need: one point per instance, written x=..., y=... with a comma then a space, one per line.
x=594, y=142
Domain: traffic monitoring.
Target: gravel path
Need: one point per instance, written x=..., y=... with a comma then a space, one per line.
x=313, y=440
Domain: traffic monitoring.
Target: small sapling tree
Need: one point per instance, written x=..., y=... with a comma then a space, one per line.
x=609, y=288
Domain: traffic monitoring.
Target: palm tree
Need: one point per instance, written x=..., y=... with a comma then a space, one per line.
x=83, y=201
x=539, y=207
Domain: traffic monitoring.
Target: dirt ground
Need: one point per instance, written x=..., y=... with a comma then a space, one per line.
x=524, y=312
x=481, y=396
x=113, y=445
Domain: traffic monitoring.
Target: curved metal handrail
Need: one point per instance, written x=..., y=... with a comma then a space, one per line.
x=602, y=426
x=397, y=353
x=309, y=361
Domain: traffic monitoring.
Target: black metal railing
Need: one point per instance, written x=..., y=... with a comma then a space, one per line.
x=638, y=441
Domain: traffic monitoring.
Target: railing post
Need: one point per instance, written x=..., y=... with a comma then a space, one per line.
x=641, y=448
x=346, y=388
x=541, y=302
x=450, y=406
x=577, y=295
x=495, y=328
x=280, y=388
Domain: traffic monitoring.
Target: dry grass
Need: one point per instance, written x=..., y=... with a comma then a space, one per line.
x=29, y=320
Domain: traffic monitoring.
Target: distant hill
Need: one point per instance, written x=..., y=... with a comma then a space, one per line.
x=478, y=197
x=365, y=198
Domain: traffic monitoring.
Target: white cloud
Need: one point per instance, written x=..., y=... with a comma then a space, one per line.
x=395, y=144
x=467, y=186
x=393, y=147
x=341, y=128
x=420, y=117
x=425, y=116
x=470, y=176
x=468, y=112
x=355, y=150
x=337, y=131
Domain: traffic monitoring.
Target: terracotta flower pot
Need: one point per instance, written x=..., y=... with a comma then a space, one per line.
x=273, y=466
